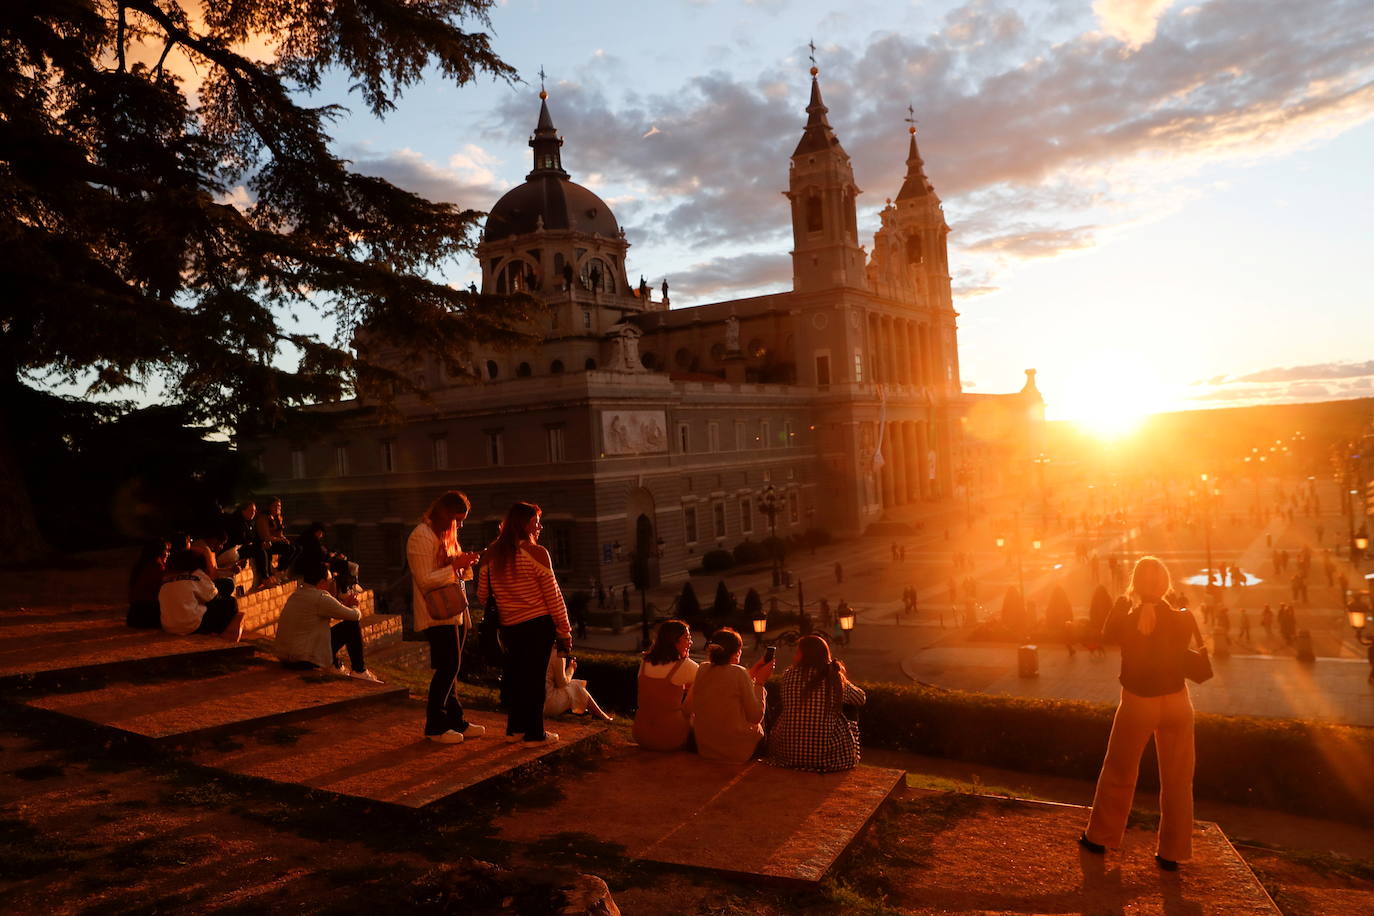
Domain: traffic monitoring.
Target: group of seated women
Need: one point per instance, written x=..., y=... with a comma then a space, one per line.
x=179, y=590
x=720, y=705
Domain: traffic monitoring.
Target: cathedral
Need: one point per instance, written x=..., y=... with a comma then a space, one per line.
x=652, y=435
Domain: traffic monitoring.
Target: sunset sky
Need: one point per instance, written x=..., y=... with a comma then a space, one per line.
x=1158, y=205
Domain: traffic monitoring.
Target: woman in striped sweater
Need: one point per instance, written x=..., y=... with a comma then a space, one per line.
x=533, y=618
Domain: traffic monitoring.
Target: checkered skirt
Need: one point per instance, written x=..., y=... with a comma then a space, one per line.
x=809, y=734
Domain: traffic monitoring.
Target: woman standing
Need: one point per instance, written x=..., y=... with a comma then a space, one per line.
x=436, y=560
x=727, y=702
x=519, y=573
x=665, y=674
x=1154, y=701
x=812, y=732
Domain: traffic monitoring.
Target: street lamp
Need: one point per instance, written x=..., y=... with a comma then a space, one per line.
x=760, y=623
x=770, y=503
x=1359, y=616
x=846, y=621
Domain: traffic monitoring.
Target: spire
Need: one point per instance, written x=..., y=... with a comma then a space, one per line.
x=818, y=136
x=545, y=141
x=916, y=183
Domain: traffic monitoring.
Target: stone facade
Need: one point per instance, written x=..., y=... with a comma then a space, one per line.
x=653, y=433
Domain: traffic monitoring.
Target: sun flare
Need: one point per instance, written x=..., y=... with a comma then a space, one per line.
x=1110, y=396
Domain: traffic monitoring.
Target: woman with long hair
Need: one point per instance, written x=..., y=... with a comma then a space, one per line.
x=665, y=674
x=519, y=574
x=1154, y=701
x=436, y=560
x=145, y=581
x=812, y=731
x=727, y=702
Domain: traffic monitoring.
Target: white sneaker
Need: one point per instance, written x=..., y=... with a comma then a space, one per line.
x=448, y=737
x=366, y=675
x=549, y=738
x=474, y=731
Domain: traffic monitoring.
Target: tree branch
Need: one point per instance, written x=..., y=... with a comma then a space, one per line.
x=119, y=38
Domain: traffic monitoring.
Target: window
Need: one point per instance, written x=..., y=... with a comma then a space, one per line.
x=493, y=370
x=496, y=447
x=386, y=456
x=587, y=320
x=858, y=366
x=765, y=435
x=561, y=548
x=718, y=519
x=440, y=453
x=713, y=437
x=740, y=443
x=788, y=435
x=684, y=438
x=689, y=524
x=589, y=365
x=813, y=213
x=746, y=515
x=341, y=459
x=523, y=370
x=556, y=367
x=297, y=463
x=823, y=371
x=793, y=507
x=554, y=439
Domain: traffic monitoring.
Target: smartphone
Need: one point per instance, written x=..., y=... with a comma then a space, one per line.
x=769, y=654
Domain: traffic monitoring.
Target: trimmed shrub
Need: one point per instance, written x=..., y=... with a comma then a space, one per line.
x=1307, y=768
x=753, y=604
x=1013, y=610
x=1059, y=612
x=724, y=605
x=717, y=560
x=1099, y=606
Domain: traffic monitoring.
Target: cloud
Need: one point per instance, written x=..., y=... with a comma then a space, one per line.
x=1037, y=147
x=1303, y=373
x=465, y=181
x=1288, y=384
x=746, y=271
x=1132, y=21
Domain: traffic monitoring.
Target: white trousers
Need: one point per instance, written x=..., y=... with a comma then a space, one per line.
x=1170, y=720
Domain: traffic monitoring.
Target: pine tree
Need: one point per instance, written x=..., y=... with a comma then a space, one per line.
x=129, y=259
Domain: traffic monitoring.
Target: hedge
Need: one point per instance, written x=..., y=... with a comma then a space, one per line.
x=1306, y=768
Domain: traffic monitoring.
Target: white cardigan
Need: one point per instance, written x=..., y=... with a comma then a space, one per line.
x=427, y=572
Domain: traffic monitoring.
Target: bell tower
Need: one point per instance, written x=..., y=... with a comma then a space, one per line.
x=825, y=233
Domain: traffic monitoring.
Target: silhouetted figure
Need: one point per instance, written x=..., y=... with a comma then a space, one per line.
x=839, y=572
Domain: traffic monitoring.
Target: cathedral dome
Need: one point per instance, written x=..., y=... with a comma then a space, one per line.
x=562, y=205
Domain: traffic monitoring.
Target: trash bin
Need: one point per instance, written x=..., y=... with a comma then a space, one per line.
x=1304, y=646
x=1028, y=661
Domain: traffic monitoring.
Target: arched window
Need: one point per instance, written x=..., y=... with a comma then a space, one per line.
x=814, y=223
x=648, y=360
x=590, y=364
x=596, y=276
x=523, y=370
x=683, y=358
x=515, y=277
x=913, y=249
x=757, y=348
x=556, y=367
x=493, y=370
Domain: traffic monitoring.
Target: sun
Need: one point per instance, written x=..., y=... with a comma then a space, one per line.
x=1109, y=396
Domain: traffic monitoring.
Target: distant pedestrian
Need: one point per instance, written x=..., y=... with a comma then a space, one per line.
x=839, y=573
x=1267, y=620
x=894, y=551
x=600, y=595
x=625, y=598
x=901, y=553
x=1244, y=625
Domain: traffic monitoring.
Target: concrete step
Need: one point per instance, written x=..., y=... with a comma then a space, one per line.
x=218, y=700
x=41, y=647
x=380, y=753
x=737, y=819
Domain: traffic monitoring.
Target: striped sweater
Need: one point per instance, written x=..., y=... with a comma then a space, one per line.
x=524, y=593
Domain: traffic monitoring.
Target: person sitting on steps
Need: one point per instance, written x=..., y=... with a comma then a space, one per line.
x=271, y=532
x=306, y=638
x=189, y=603
x=145, y=581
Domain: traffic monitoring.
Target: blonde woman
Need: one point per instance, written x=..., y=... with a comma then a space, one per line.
x=1154, y=702
x=436, y=560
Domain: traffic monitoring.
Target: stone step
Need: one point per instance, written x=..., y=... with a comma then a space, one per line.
x=44, y=647
x=738, y=819
x=988, y=854
x=381, y=630
x=379, y=753
x=262, y=608
x=214, y=701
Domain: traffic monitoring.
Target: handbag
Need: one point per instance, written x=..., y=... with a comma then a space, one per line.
x=1197, y=665
x=446, y=602
x=488, y=635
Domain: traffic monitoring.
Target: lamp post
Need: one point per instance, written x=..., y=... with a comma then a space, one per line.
x=760, y=622
x=846, y=621
x=770, y=503
x=1358, y=615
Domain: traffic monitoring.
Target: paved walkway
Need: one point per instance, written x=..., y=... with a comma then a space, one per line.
x=1329, y=690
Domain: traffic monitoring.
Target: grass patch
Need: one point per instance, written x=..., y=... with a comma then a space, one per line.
x=1327, y=864
x=26, y=853
x=974, y=786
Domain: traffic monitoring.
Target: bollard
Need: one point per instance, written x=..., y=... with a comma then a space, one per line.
x=1303, y=644
x=1028, y=661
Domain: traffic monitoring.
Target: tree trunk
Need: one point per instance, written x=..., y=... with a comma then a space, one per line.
x=20, y=540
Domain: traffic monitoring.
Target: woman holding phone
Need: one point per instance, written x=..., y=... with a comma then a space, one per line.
x=666, y=674
x=812, y=731
x=435, y=561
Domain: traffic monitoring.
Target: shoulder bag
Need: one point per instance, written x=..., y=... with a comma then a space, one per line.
x=488, y=636
x=1197, y=665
